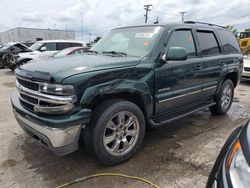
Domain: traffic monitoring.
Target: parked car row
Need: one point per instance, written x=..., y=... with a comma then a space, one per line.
x=13, y=55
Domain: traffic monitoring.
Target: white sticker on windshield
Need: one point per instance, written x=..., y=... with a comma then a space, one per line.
x=144, y=35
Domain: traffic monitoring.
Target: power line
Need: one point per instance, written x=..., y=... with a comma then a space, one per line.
x=182, y=15
x=146, y=7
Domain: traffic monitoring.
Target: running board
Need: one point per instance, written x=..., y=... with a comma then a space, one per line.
x=154, y=124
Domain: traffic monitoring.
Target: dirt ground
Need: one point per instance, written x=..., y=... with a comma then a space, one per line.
x=178, y=155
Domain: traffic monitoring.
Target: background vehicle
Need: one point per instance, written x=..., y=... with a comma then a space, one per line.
x=13, y=48
x=232, y=167
x=71, y=51
x=244, y=41
x=45, y=49
x=13, y=60
x=246, y=68
x=133, y=77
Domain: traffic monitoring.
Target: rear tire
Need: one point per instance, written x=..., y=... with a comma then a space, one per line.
x=223, y=99
x=116, y=131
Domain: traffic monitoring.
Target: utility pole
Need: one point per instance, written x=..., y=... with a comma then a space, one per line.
x=90, y=36
x=66, y=30
x=182, y=15
x=81, y=28
x=146, y=7
x=157, y=21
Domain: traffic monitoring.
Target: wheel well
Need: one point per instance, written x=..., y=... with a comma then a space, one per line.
x=132, y=97
x=232, y=76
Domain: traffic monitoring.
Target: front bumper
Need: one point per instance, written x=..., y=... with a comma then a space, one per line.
x=58, y=133
x=245, y=75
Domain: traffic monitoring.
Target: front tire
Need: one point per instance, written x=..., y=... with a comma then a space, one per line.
x=223, y=99
x=116, y=131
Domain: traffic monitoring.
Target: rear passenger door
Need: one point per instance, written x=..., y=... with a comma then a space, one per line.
x=211, y=58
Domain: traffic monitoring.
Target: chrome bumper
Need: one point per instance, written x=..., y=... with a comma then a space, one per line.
x=60, y=141
x=245, y=74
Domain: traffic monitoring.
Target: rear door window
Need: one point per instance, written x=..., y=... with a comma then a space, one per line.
x=208, y=43
x=62, y=45
x=183, y=38
x=229, y=42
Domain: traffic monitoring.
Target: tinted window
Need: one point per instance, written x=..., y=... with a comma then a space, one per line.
x=208, y=43
x=62, y=45
x=229, y=42
x=75, y=44
x=50, y=46
x=183, y=38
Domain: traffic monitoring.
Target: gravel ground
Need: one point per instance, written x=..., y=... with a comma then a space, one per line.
x=178, y=155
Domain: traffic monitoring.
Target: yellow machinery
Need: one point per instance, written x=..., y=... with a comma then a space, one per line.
x=244, y=41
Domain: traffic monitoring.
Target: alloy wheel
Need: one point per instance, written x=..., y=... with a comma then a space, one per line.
x=121, y=133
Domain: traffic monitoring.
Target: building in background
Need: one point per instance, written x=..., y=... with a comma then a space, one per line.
x=21, y=34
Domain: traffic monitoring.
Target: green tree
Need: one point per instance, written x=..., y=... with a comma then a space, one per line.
x=232, y=29
x=97, y=39
x=247, y=29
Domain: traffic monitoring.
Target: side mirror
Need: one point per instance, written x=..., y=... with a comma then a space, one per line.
x=43, y=49
x=176, y=54
x=245, y=57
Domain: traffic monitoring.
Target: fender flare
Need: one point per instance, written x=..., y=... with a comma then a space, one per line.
x=117, y=87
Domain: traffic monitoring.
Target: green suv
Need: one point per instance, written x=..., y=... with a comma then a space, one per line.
x=133, y=78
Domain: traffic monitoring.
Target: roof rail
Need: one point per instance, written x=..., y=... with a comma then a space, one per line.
x=194, y=22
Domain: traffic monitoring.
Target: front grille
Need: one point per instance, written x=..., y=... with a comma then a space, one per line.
x=247, y=69
x=29, y=99
x=28, y=84
x=27, y=105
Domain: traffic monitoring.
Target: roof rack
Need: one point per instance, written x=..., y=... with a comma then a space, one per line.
x=194, y=22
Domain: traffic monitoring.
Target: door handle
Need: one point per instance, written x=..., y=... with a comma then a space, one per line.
x=197, y=67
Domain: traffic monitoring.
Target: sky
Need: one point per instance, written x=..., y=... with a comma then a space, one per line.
x=99, y=16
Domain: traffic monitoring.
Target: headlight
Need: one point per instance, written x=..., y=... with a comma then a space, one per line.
x=55, y=89
x=237, y=167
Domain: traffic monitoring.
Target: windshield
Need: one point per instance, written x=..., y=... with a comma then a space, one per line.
x=244, y=35
x=36, y=46
x=134, y=41
x=63, y=52
x=7, y=46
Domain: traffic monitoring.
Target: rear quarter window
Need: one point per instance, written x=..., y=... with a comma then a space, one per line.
x=229, y=42
x=208, y=43
x=75, y=44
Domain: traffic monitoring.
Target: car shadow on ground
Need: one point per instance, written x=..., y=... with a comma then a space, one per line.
x=155, y=155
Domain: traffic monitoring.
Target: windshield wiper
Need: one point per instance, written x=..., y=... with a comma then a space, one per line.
x=92, y=51
x=122, y=54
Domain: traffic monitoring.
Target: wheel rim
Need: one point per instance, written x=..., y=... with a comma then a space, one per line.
x=226, y=97
x=121, y=133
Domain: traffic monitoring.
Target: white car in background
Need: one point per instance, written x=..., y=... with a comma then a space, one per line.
x=246, y=68
x=45, y=49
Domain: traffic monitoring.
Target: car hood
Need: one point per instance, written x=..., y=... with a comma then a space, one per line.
x=60, y=68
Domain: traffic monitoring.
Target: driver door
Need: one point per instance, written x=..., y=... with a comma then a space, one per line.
x=178, y=83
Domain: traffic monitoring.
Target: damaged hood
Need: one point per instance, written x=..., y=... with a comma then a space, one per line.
x=60, y=68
